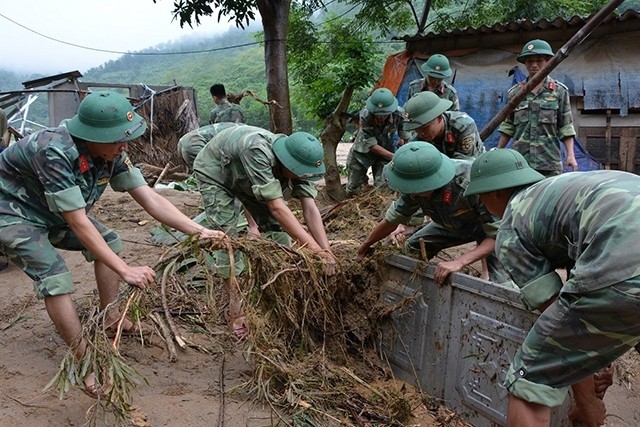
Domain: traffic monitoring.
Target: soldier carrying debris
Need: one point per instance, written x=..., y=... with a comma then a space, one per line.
x=429, y=180
x=255, y=166
x=586, y=223
x=49, y=181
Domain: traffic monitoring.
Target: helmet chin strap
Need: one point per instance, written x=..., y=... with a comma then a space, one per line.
x=130, y=131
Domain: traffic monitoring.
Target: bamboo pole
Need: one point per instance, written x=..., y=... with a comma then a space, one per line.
x=560, y=56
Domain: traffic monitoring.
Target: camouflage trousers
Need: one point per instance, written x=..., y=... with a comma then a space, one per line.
x=357, y=166
x=223, y=213
x=573, y=338
x=435, y=238
x=32, y=247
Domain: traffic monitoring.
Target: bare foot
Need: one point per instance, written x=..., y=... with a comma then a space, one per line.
x=93, y=388
x=603, y=379
x=237, y=325
x=129, y=328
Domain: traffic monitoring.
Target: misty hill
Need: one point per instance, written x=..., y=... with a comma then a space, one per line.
x=235, y=59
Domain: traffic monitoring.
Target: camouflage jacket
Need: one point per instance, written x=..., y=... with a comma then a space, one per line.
x=3, y=127
x=461, y=138
x=584, y=221
x=538, y=123
x=47, y=173
x=191, y=143
x=370, y=134
x=226, y=112
x=446, y=206
x=241, y=160
x=444, y=91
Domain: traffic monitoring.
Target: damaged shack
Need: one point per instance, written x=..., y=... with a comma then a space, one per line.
x=170, y=112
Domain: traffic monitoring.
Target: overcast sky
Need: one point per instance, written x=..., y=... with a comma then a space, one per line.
x=112, y=25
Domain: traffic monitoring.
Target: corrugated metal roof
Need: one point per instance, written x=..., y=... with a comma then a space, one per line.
x=524, y=25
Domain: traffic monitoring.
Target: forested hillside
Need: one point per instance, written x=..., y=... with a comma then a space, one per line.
x=200, y=64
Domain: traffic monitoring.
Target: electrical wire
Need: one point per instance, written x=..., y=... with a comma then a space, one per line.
x=140, y=53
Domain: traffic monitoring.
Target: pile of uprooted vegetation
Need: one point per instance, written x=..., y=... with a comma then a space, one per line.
x=313, y=342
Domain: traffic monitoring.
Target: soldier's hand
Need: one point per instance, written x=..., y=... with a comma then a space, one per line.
x=205, y=233
x=330, y=262
x=139, y=276
x=571, y=163
x=444, y=269
x=219, y=239
x=253, y=233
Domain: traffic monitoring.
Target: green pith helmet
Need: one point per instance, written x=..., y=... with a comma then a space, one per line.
x=535, y=47
x=417, y=167
x=423, y=107
x=437, y=66
x=106, y=117
x=499, y=169
x=301, y=153
x=382, y=102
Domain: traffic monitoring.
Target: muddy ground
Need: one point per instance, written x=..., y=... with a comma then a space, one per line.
x=199, y=389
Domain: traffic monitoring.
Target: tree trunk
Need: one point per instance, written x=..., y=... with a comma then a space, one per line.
x=331, y=135
x=275, y=21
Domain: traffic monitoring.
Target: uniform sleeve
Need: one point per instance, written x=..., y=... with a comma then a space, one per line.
x=565, y=119
x=303, y=188
x=468, y=138
x=366, y=138
x=126, y=176
x=520, y=258
x=402, y=210
x=55, y=169
x=213, y=115
x=454, y=98
x=414, y=87
x=258, y=164
x=491, y=228
x=507, y=126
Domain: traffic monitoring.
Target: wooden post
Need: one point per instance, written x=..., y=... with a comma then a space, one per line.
x=560, y=55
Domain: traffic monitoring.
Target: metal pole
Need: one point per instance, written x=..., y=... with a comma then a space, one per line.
x=560, y=55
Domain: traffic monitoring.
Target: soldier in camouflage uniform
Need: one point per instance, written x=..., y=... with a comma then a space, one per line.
x=224, y=111
x=436, y=68
x=193, y=142
x=373, y=147
x=430, y=181
x=3, y=128
x=542, y=119
x=453, y=133
x=584, y=222
x=49, y=181
x=255, y=166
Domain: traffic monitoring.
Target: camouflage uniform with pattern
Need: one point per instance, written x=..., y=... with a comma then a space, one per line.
x=444, y=90
x=41, y=176
x=461, y=138
x=539, y=123
x=360, y=159
x=192, y=143
x=585, y=222
x=455, y=219
x=226, y=112
x=239, y=162
x=3, y=128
